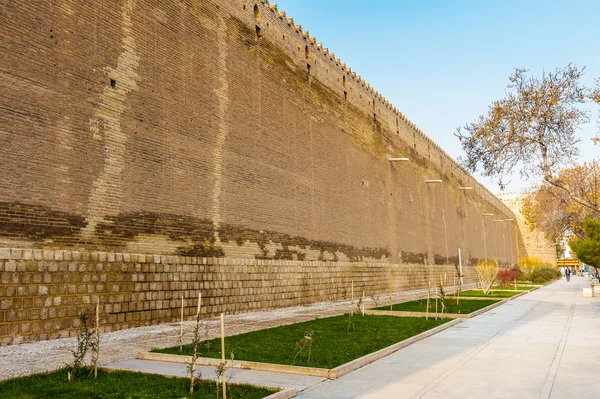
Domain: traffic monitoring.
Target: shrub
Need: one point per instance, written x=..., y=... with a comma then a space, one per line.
x=527, y=264
x=545, y=274
x=487, y=270
x=507, y=276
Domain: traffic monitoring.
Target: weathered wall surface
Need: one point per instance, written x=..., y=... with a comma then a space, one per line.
x=209, y=129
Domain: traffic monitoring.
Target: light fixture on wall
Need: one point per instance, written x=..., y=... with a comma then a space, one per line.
x=499, y=221
x=467, y=188
x=433, y=181
x=398, y=159
x=488, y=214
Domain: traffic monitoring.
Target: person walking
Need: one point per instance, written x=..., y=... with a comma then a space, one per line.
x=568, y=273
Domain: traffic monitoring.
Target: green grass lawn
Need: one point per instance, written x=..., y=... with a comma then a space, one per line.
x=122, y=384
x=512, y=287
x=332, y=343
x=495, y=294
x=464, y=306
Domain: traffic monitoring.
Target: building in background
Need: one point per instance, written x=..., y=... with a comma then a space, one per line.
x=531, y=242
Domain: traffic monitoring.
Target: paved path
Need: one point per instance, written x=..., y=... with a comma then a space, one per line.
x=545, y=344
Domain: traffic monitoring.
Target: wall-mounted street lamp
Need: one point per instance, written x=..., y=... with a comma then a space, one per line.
x=433, y=181
x=467, y=188
x=488, y=214
x=398, y=159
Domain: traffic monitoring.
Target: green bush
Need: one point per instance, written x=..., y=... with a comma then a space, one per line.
x=542, y=275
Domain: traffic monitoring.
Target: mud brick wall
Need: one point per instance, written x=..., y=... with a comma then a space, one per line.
x=43, y=292
x=216, y=129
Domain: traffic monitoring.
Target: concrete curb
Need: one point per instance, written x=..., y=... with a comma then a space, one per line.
x=399, y=313
x=311, y=371
x=481, y=298
x=527, y=290
x=283, y=394
x=478, y=298
x=238, y=364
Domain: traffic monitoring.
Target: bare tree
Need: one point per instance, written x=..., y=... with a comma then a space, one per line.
x=487, y=271
x=532, y=130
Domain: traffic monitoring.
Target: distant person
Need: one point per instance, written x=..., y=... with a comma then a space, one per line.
x=568, y=274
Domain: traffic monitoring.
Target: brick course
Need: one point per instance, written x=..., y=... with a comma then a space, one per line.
x=44, y=303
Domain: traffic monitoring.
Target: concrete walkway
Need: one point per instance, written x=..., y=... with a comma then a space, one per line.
x=545, y=344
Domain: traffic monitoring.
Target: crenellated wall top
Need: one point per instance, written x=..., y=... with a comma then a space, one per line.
x=379, y=101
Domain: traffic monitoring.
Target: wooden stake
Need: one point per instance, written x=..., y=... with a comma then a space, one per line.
x=436, y=303
x=97, y=348
x=454, y=283
x=181, y=328
x=199, y=303
x=391, y=304
x=460, y=267
x=428, y=295
x=362, y=304
x=515, y=284
x=443, y=285
x=223, y=355
x=352, y=299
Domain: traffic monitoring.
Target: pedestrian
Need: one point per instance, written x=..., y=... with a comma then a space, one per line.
x=568, y=274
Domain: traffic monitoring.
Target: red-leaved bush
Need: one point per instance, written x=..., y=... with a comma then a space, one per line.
x=507, y=276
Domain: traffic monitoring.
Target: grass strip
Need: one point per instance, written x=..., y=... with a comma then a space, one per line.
x=119, y=384
x=463, y=306
x=494, y=294
x=512, y=287
x=336, y=340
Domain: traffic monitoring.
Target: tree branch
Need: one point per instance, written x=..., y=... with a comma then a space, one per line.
x=575, y=198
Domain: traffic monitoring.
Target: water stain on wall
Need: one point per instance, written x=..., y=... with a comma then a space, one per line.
x=106, y=125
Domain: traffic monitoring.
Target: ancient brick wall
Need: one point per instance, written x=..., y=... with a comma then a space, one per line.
x=42, y=292
x=213, y=129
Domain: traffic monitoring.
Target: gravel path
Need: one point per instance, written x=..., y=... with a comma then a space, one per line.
x=35, y=357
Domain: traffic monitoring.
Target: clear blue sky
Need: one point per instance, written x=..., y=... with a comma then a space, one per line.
x=443, y=62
